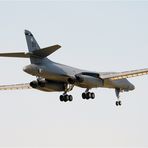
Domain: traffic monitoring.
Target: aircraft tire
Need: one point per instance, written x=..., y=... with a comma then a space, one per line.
x=70, y=98
x=118, y=103
x=61, y=98
x=66, y=98
x=88, y=95
x=92, y=95
x=84, y=95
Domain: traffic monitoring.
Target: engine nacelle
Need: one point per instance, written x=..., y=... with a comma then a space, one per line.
x=88, y=81
x=34, y=84
x=46, y=85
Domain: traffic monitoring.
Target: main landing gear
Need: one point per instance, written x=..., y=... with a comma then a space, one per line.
x=118, y=102
x=65, y=97
x=87, y=95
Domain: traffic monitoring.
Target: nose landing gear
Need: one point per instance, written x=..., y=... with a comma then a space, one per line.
x=118, y=102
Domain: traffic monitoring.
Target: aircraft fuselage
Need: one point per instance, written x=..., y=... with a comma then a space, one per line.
x=62, y=73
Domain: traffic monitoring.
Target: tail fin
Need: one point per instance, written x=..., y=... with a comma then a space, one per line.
x=32, y=46
x=31, y=42
x=35, y=54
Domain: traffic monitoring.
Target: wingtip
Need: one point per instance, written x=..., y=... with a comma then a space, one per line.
x=59, y=46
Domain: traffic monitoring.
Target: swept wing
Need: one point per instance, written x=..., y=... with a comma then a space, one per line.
x=15, y=86
x=126, y=74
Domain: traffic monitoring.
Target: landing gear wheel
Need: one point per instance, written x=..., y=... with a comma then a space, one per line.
x=92, y=95
x=61, y=98
x=118, y=103
x=88, y=95
x=84, y=95
x=70, y=98
x=66, y=97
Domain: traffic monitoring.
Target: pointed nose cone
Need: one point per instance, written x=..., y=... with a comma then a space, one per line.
x=32, y=69
x=27, y=69
x=132, y=87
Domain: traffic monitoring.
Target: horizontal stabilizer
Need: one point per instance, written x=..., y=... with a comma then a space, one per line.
x=16, y=54
x=40, y=53
x=44, y=52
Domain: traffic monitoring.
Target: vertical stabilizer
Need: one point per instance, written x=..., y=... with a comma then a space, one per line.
x=31, y=42
x=32, y=46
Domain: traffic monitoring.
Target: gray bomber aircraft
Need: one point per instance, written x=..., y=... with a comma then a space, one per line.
x=52, y=76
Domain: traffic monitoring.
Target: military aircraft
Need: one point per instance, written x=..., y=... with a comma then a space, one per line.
x=52, y=76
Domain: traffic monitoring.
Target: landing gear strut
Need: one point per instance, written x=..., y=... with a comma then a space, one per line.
x=65, y=97
x=118, y=102
x=87, y=95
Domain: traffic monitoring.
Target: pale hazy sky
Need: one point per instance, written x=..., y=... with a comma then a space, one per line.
x=98, y=36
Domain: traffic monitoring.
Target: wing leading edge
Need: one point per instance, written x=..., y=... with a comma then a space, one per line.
x=15, y=86
x=126, y=74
